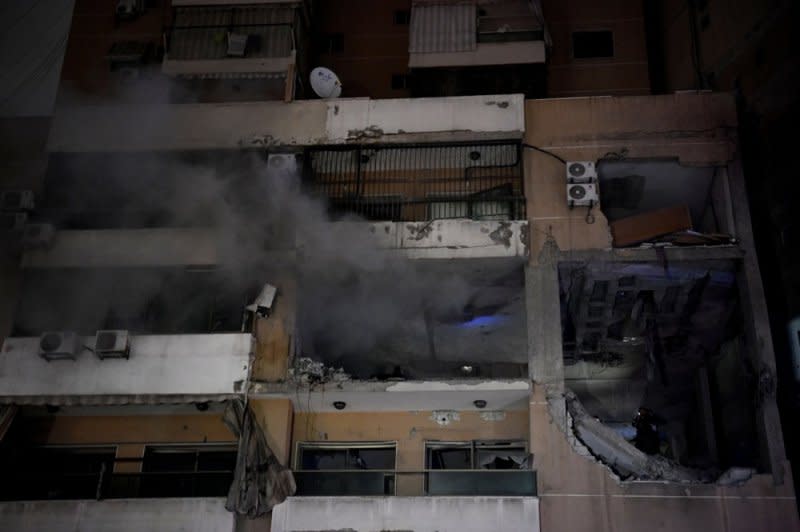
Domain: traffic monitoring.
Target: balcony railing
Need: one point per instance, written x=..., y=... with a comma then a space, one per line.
x=433, y=482
x=415, y=182
x=107, y=485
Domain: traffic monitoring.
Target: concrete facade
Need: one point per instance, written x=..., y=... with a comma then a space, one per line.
x=577, y=492
x=139, y=515
x=264, y=124
x=421, y=514
x=157, y=367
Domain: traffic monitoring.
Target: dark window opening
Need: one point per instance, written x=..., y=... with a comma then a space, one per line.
x=592, y=44
x=334, y=43
x=343, y=469
x=181, y=471
x=53, y=473
x=402, y=17
x=399, y=81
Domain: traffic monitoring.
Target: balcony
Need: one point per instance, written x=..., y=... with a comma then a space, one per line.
x=445, y=514
x=219, y=42
x=434, y=482
x=461, y=35
x=417, y=182
x=202, y=514
x=160, y=368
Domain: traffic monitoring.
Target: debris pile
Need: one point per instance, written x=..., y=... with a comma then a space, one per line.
x=308, y=371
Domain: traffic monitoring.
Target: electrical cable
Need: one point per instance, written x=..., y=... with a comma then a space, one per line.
x=551, y=154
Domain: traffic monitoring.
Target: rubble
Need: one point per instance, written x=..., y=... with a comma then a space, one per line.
x=622, y=457
x=308, y=371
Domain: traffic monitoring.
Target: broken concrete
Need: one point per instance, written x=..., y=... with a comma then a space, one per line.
x=308, y=371
x=620, y=456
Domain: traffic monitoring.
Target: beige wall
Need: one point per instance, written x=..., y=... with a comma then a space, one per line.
x=274, y=416
x=697, y=129
x=130, y=434
x=409, y=430
x=374, y=47
x=274, y=335
x=625, y=73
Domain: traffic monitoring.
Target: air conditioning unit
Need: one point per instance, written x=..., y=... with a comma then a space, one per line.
x=13, y=221
x=16, y=200
x=37, y=235
x=282, y=162
x=580, y=194
x=112, y=344
x=581, y=172
x=60, y=345
x=237, y=42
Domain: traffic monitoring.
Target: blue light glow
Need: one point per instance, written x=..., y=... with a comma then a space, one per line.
x=483, y=321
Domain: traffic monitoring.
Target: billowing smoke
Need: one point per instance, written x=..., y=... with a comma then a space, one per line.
x=354, y=297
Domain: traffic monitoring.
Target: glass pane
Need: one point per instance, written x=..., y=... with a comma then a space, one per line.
x=450, y=458
x=169, y=460
x=372, y=458
x=218, y=460
x=324, y=459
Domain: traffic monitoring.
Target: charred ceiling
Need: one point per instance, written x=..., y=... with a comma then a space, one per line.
x=666, y=336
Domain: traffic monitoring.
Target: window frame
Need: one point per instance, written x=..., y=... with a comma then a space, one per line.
x=196, y=447
x=297, y=461
x=474, y=446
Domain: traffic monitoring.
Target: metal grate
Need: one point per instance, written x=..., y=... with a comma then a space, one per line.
x=414, y=182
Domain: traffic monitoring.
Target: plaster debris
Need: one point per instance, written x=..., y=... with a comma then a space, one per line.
x=493, y=415
x=308, y=371
x=445, y=417
x=503, y=234
x=736, y=476
x=620, y=456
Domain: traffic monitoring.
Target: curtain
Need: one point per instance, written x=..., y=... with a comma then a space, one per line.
x=259, y=481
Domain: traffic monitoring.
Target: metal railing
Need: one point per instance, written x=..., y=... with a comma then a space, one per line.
x=111, y=485
x=431, y=482
x=414, y=182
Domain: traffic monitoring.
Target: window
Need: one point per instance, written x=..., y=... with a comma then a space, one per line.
x=399, y=81
x=185, y=471
x=592, y=44
x=402, y=17
x=478, y=468
x=476, y=455
x=55, y=472
x=334, y=43
x=345, y=469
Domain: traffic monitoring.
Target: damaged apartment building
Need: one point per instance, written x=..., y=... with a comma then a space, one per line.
x=439, y=302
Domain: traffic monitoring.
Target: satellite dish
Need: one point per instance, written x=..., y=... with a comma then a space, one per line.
x=325, y=83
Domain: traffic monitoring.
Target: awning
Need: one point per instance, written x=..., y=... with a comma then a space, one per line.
x=202, y=32
x=112, y=399
x=443, y=28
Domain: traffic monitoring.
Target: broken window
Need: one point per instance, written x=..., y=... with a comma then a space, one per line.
x=345, y=469
x=478, y=468
x=476, y=455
